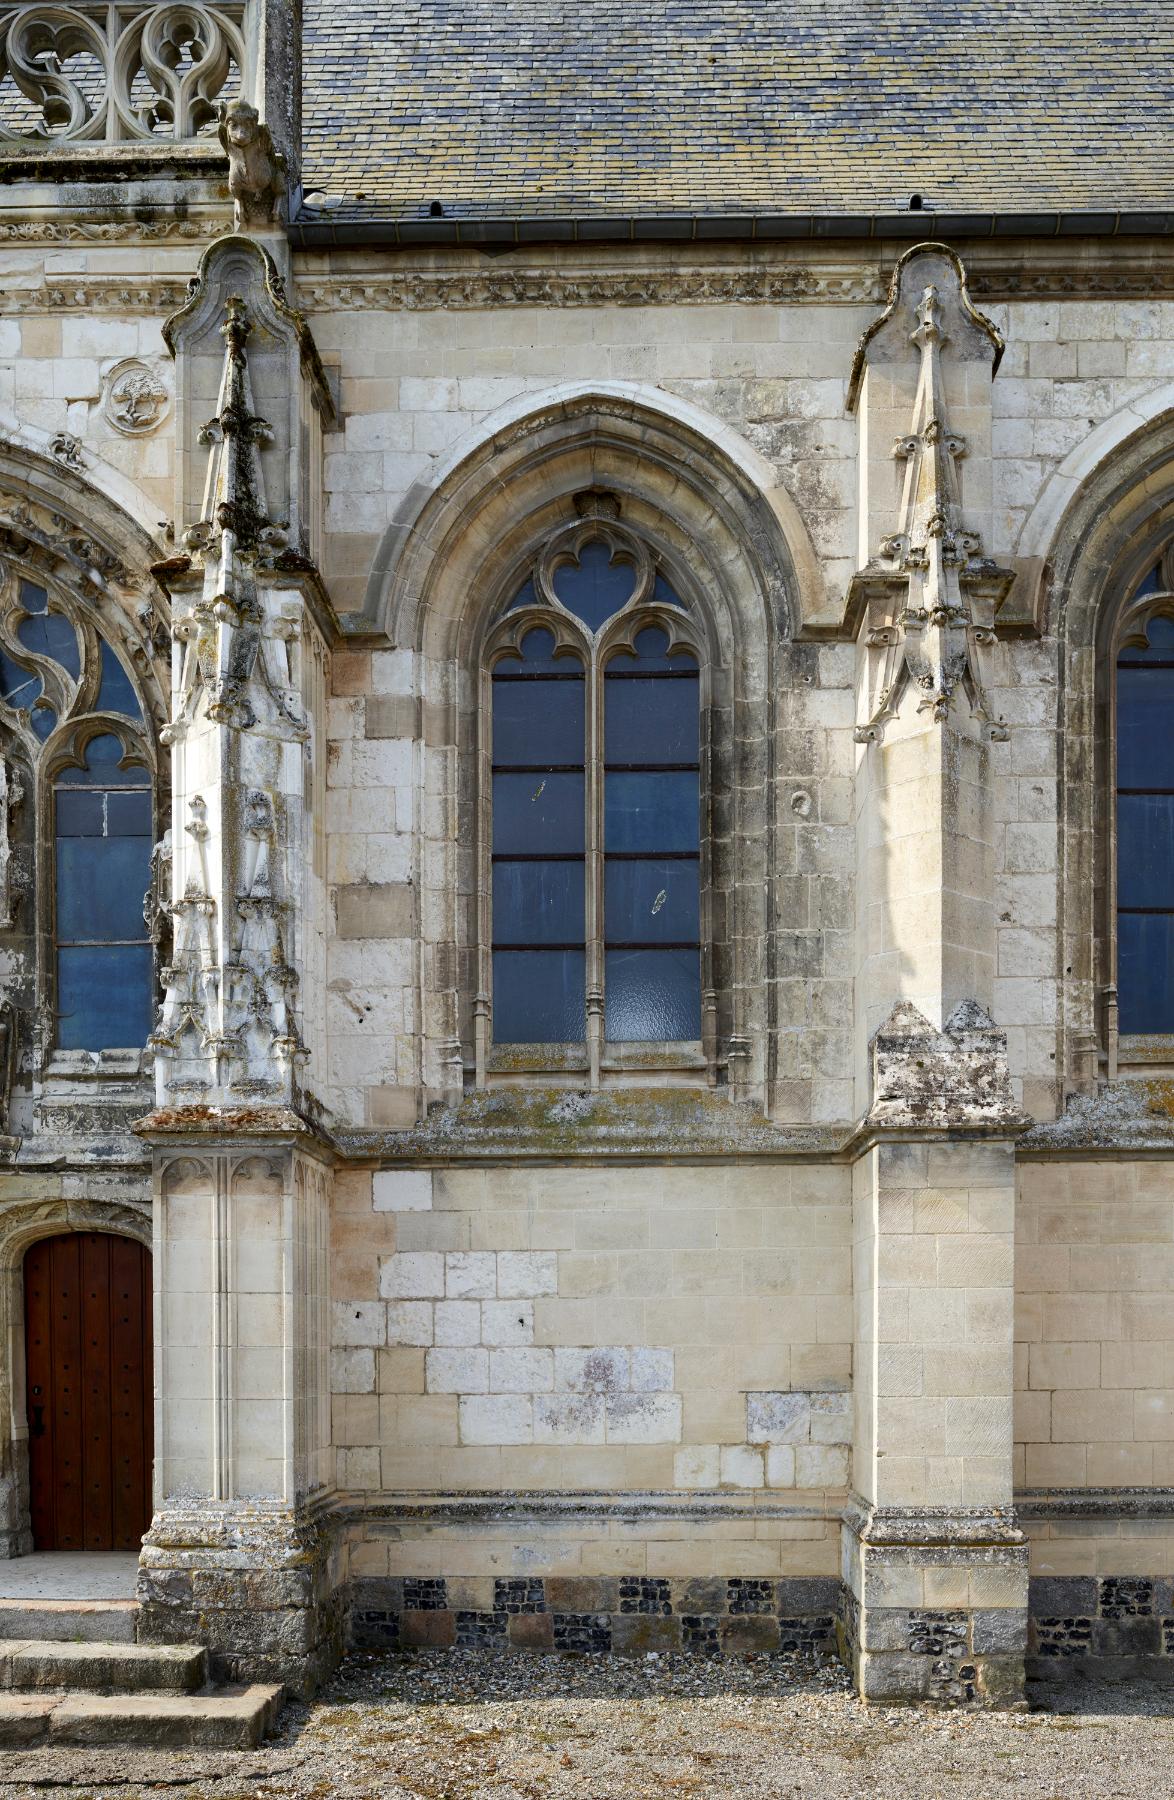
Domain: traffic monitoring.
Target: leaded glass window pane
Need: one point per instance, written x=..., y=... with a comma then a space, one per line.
x=102, y=842
x=1145, y=832
x=539, y=845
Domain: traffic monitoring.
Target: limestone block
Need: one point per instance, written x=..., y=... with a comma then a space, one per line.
x=402, y=1190
x=521, y=1371
x=410, y=1322
x=410, y=1275
x=596, y=1370
x=458, y=1371
x=352, y=1371
x=525, y=1274
x=471, y=1275
x=643, y=1418
x=457, y=1322
x=496, y=1419
x=361, y=1322
x=697, y=1466
x=568, y=1418
x=505, y=1322
x=741, y=1466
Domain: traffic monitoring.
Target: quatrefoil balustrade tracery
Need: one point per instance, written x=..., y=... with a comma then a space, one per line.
x=98, y=73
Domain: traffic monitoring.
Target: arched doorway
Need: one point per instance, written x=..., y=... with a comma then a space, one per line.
x=88, y=1391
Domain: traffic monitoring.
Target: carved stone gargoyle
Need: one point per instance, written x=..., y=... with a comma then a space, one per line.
x=256, y=170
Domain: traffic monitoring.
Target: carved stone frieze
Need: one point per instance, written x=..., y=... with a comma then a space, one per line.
x=427, y=290
x=104, y=231
x=136, y=398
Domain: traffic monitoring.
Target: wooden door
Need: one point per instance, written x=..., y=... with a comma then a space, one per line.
x=87, y=1315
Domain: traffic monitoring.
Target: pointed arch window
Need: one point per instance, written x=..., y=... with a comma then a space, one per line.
x=592, y=911
x=74, y=727
x=1143, y=993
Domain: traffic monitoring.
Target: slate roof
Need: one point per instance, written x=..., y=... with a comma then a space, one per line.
x=544, y=109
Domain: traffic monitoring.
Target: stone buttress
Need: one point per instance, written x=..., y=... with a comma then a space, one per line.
x=235, y=1555
x=934, y=1565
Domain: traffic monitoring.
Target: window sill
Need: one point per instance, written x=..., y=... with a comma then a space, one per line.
x=96, y=1065
x=567, y=1064
x=1148, y=1052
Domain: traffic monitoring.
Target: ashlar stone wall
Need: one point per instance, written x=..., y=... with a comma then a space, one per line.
x=649, y=1328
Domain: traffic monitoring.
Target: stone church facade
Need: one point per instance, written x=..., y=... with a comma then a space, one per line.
x=585, y=846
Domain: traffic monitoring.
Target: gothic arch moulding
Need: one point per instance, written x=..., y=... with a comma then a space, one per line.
x=709, y=488
x=1099, y=527
x=711, y=515
x=1069, y=534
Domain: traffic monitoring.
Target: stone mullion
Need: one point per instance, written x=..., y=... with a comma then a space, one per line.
x=593, y=801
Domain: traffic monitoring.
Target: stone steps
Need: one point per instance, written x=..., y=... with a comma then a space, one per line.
x=86, y=1621
x=98, y=1667
x=231, y=1718
x=149, y=1696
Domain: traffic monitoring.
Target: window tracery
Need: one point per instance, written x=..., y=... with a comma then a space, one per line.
x=75, y=740
x=1141, y=993
x=591, y=925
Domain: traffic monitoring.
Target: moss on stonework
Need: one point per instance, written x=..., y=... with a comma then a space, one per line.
x=550, y=1124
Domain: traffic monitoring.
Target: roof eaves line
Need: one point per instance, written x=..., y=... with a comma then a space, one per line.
x=321, y=231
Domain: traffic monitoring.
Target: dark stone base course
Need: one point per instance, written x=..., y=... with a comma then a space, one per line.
x=1107, y=1627
x=624, y=1615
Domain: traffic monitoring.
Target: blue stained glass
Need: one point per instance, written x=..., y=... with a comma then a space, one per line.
x=538, y=903
x=100, y=888
x=103, y=755
x=595, y=587
x=525, y=596
x=537, y=814
x=538, y=657
x=653, y=721
x=1151, y=585
x=1145, y=726
x=538, y=997
x=103, y=996
x=652, y=995
x=52, y=635
x=650, y=812
x=128, y=814
x=664, y=593
x=19, y=687
x=651, y=652
x=116, y=692
x=649, y=902
x=43, y=721
x=538, y=721
x=81, y=812
x=1145, y=972
x=1145, y=850
x=33, y=598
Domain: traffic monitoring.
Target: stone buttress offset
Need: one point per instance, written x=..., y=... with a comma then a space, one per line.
x=234, y=1555
x=934, y=1564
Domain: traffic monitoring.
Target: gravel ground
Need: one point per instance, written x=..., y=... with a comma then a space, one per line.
x=465, y=1726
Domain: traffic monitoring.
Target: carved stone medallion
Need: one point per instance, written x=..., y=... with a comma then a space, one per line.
x=136, y=398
